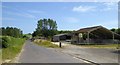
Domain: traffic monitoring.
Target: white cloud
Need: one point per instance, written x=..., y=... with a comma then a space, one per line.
x=107, y=6
x=84, y=8
x=110, y=3
x=110, y=6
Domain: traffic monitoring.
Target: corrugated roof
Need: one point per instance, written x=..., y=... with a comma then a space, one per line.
x=99, y=30
x=63, y=34
x=83, y=30
x=59, y=35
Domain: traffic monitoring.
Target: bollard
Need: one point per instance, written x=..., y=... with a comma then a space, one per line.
x=60, y=45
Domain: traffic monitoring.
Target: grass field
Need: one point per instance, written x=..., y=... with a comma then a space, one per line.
x=11, y=52
x=45, y=43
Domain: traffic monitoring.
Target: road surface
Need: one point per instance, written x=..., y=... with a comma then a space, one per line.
x=97, y=55
x=33, y=53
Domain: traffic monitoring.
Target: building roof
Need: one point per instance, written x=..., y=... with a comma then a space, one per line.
x=88, y=29
x=59, y=35
x=100, y=31
x=63, y=34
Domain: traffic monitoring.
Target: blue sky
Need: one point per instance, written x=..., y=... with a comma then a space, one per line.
x=69, y=15
x=60, y=0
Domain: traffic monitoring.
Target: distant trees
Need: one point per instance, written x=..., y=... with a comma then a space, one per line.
x=27, y=36
x=45, y=28
x=10, y=31
x=64, y=31
x=116, y=30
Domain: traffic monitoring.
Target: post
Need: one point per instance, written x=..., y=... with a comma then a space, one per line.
x=60, y=45
x=88, y=37
x=113, y=37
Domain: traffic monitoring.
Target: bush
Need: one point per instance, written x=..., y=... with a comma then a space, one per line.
x=5, y=41
x=0, y=43
x=11, y=47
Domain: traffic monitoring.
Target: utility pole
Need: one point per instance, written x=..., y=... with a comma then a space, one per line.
x=88, y=37
x=113, y=37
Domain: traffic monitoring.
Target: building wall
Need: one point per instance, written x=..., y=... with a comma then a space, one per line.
x=76, y=39
x=55, y=38
x=63, y=37
x=59, y=38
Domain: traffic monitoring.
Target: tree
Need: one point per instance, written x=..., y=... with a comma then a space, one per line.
x=113, y=29
x=118, y=31
x=64, y=31
x=2, y=31
x=46, y=28
x=27, y=36
x=10, y=31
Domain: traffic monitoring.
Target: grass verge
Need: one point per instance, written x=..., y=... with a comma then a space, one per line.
x=45, y=43
x=0, y=56
x=14, y=48
x=101, y=46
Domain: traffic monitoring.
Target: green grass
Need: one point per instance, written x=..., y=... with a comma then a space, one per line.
x=46, y=43
x=11, y=52
x=0, y=56
x=101, y=46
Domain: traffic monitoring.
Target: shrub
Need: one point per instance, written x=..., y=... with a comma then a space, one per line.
x=0, y=43
x=45, y=43
x=5, y=41
x=11, y=47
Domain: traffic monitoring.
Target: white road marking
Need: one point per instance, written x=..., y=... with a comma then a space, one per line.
x=81, y=60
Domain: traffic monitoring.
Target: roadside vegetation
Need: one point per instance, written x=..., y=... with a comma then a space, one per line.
x=0, y=56
x=114, y=46
x=11, y=47
x=27, y=36
x=11, y=43
x=45, y=43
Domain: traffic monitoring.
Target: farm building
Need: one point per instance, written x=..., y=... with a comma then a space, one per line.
x=96, y=34
x=61, y=37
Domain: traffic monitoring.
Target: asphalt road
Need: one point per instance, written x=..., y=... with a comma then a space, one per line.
x=97, y=55
x=33, y=53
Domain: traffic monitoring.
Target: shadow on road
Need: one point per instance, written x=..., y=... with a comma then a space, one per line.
x=116, y=51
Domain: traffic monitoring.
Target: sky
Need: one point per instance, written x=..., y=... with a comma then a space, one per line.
x=68, y=15
x=60, y=0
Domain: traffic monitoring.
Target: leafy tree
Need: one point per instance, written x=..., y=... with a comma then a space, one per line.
x=10, y=31
x=113, y=29
x=64, y=31
x=2, y=31
x=27, y=36
x=46, y=28
x=118, y=31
